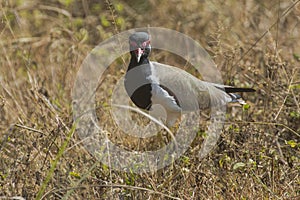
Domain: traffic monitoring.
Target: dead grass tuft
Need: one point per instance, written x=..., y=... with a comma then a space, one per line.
x=254, y=44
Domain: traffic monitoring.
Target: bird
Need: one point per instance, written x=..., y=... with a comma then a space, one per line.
x=148, y=83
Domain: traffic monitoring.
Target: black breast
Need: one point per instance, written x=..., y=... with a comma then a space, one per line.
x=138, y=86
x=141, y=97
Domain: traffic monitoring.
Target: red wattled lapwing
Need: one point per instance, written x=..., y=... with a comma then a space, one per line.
x=148, y=83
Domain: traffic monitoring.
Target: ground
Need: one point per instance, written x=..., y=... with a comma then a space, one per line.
x=253, y=44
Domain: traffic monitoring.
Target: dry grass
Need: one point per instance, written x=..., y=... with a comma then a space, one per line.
x=42, y=45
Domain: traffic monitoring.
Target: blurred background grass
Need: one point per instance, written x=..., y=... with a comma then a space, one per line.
x=43, y=44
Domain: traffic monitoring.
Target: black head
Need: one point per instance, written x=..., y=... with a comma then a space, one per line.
x=140, y=47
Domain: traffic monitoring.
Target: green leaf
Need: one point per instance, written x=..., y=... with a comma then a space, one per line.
x=104, y=21
x=296, y=56
x=185, y=159
x=294, y=86
x=75, y=174
x=295, y=114
x=238, y=165
x=252, y=162
x=120, y=21
x=66, y=3
x=224, y=159
x=202, y=134
x=54, y=163
x=78, y=22
x=119, y=7
x=292, y=143
x=105, y=168
x=237, y=129
x=82, y=35
x=246, y=107
x=96, y=8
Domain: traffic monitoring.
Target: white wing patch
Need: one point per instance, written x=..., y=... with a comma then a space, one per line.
x=153, y=78
x=161, y=96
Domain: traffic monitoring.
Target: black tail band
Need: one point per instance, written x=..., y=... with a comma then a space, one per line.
x=233, y=89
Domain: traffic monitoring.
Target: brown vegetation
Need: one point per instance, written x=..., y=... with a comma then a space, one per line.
x=254, y=44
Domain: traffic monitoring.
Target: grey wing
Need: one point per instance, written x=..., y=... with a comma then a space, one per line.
x=162, y=97
x=191, y=93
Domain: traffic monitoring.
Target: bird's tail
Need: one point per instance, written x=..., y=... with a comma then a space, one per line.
x=235, y=89
x=236, y=97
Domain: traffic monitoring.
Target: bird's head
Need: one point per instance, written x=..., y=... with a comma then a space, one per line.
x=139, y=43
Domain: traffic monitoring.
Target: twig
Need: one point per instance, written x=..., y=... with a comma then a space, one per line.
x=66, y=196
x=279, y=150
x=14, y=100
x=5, y=138
x=29, y=128
x=52, y=109
x=151, y=118
x=295, y=100
x=114, y=22
x=7, y=22
x=269, y=123
x=85, y=7
x=55, y=9
x=55, y=162
x=281, y=107
x=114, y=186
x=112, y=12
x=264, y=185
x=263, y=35
x=108, y=152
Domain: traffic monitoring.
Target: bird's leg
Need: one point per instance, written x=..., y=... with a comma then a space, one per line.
x=172, y=117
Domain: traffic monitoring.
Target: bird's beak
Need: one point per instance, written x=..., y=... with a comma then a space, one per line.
x=138, y=53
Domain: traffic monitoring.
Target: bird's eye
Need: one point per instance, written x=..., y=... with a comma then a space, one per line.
x=144, y=44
